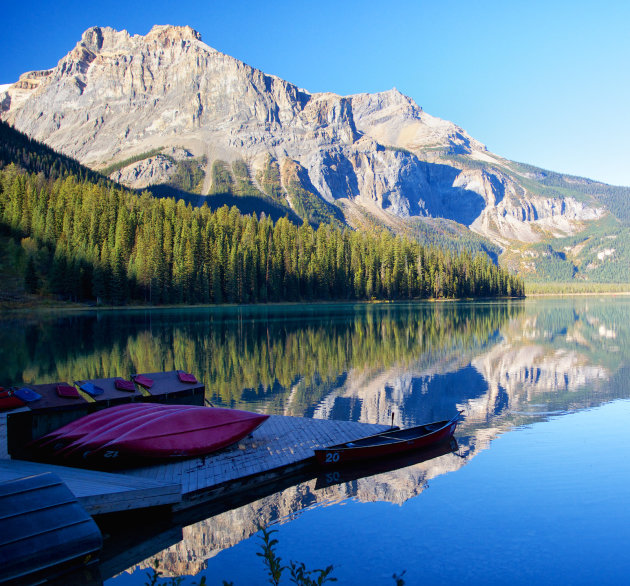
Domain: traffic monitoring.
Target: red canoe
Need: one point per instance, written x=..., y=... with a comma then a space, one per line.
x=97, y=436
x=95, y=422
x=181, y=433
x=161, y=431
x=387, y=443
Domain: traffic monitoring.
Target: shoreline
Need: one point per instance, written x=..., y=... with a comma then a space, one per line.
x=73, y=306
x=579, y=294
x=48, y=306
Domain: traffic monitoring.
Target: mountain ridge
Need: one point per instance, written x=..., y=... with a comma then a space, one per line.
x=362, y=158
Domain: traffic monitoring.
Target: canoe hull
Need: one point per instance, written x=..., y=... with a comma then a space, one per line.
x=114, y=429
x=44, y=531
x=185, y=443
x=387, y=444
x=330, y=476
x=94, y=423
x=139, y=431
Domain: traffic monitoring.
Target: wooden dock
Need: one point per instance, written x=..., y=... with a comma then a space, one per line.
x=52, y=411
x=280, y=447
x=100, y=492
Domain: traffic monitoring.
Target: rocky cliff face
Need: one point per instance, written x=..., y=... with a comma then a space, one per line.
x=116, y=96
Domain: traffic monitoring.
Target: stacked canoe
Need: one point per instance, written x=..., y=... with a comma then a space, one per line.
x=137, y=431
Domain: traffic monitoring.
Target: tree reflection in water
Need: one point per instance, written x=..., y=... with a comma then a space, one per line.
x=505, y=364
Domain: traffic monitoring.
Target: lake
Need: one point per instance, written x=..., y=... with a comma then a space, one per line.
x=535, y=491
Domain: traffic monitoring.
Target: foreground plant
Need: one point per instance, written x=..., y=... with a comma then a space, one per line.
x=273, y=562
x=299, y=574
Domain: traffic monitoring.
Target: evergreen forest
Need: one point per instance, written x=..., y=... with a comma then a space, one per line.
x=83, y=238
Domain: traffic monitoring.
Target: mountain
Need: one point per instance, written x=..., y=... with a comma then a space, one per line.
x=167, y=111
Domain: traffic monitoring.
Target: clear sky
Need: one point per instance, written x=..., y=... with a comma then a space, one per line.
x=542, y=82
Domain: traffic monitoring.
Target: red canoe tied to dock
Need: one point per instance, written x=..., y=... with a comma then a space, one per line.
x=387, y=443
x=180, y=433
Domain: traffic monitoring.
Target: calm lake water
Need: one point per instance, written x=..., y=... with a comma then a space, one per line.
x=534, y=493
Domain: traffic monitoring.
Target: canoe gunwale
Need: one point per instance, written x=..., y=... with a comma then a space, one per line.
x=372, y=447
x=346, y=445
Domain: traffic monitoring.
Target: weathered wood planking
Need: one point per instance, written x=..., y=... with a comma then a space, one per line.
x=100, y=492
x=167, y=388
x=280, y=445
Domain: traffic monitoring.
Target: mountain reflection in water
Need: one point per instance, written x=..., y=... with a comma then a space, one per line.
x=506, y=364
x=395, y=481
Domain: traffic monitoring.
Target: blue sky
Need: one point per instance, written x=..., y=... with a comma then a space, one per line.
x=546, y=83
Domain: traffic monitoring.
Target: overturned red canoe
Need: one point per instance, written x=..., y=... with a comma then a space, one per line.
x=97, y=436
x=95, y=422
x=161, y=431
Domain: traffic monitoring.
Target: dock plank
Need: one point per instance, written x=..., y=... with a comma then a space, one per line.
x=99, y=492
x=281, y=441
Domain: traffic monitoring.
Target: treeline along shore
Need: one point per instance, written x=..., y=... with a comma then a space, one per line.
x=88, y=240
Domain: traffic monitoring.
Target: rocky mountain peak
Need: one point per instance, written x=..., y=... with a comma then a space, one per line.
x=92, y=38
x=173, y=33
x=98, y=39
x=117, y=96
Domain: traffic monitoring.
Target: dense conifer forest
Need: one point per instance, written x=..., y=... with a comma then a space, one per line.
x=84, y=238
